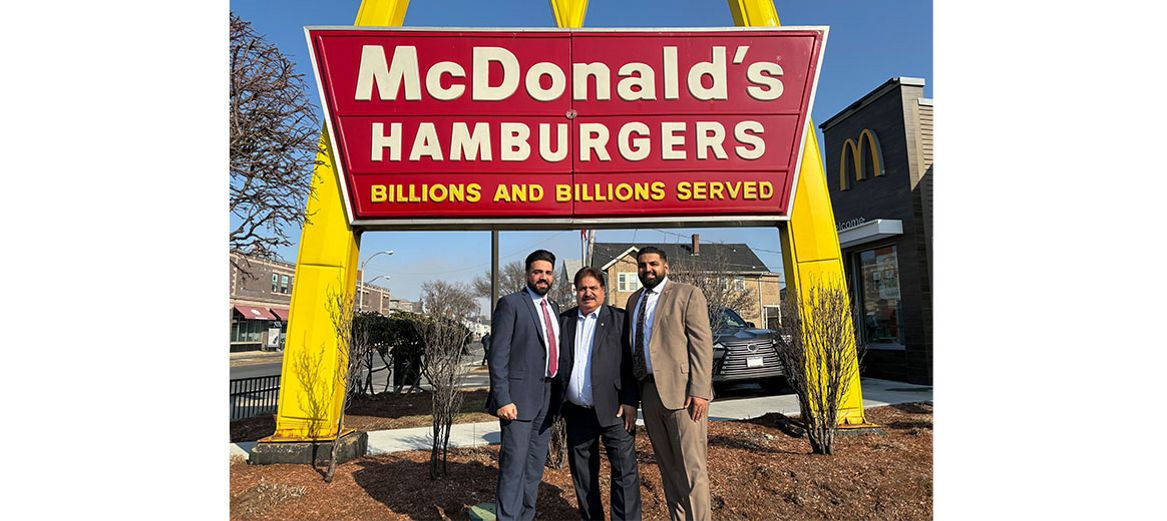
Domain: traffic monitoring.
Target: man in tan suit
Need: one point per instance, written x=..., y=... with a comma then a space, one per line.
x=672, y=354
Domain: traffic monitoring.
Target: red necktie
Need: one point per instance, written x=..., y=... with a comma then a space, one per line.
x=552, y=346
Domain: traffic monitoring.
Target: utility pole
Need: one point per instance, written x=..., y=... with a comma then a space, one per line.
x=493, y=271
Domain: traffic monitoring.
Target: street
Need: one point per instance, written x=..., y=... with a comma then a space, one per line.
x=268, y=364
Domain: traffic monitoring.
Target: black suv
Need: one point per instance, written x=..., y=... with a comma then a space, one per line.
x=741, y=352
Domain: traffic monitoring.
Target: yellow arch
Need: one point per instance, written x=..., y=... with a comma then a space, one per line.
x=810, y=242
x=870, y=143
x=850, y=151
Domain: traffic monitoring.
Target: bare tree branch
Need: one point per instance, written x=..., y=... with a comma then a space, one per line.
x=274, y=140
x=715, y=276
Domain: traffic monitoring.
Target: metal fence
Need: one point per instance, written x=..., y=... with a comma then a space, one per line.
x=252, y=396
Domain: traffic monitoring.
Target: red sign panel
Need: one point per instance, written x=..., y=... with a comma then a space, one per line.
x=559, y=126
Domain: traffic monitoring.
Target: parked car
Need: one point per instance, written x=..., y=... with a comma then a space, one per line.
x=744, y=353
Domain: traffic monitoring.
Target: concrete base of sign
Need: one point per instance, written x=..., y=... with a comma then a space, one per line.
x=352, y=445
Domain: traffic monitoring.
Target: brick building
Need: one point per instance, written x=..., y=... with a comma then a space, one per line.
x=879, y=169
x=737, y=263
x=260, y=298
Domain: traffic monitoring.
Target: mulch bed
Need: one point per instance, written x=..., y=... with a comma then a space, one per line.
x=757, y=471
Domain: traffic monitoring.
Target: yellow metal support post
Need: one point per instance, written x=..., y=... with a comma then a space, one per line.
x=310, y=396
x=569, y=14
x=810, y=242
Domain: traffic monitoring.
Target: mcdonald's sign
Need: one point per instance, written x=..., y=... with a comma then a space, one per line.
x=471, y=127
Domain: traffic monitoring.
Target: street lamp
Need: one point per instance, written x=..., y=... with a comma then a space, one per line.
x=363, y=264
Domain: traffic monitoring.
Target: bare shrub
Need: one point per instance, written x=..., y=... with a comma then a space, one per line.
x=817, y=346
x=557, y=446
x=448, y=306
x=352, y=348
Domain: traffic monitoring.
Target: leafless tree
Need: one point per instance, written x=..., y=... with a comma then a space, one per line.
x=714, y=275
x=274, y=141
x=817, y=345
x=512, y=277
x=352, y=348
x=448, y=306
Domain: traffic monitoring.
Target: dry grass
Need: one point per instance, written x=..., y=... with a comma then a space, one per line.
x=263, y=497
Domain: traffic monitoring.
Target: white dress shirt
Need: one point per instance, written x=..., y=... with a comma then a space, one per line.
x=543, y=326
x=579, y=388
x=653, y=296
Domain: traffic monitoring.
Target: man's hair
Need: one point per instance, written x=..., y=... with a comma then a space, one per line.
x=652, y=249
x=540, y=255
x=588, y=271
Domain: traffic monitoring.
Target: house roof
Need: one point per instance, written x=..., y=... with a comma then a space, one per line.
x=570, y=267
x=734, y=257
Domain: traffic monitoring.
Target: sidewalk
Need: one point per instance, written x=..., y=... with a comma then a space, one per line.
x=875, y=393
x=255, y=357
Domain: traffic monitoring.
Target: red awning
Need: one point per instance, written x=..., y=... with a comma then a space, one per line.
x=280, y=313
x=255, y=313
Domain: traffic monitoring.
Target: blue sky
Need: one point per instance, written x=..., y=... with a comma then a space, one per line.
x=869, y=42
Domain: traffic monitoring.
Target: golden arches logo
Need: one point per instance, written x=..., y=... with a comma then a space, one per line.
x=858, y=157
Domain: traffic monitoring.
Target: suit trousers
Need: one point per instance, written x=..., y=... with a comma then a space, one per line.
x=679, y=444
x=521, y=457
x=584, y=434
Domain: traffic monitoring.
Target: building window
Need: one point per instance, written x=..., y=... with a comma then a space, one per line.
x=739, y=283
x=248, y=330
x=627, y=282
x=275, y=283
x=772, y=315
x=879, y=295
x=284, y=284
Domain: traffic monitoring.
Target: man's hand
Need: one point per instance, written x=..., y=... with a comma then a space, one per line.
x=508, y=412
x=700, y=407
x=628, y=412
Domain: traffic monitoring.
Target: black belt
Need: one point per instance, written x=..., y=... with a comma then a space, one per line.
x=578, y=406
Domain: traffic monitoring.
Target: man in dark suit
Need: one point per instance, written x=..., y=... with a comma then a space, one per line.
x=523, y=361
x=598, y=396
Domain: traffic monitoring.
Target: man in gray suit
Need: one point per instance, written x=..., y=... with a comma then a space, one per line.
x=599, y=396
x=523, y=361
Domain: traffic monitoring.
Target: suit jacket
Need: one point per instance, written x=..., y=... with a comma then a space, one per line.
x=518, y=356
x=681, y=345
x=612, y=380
